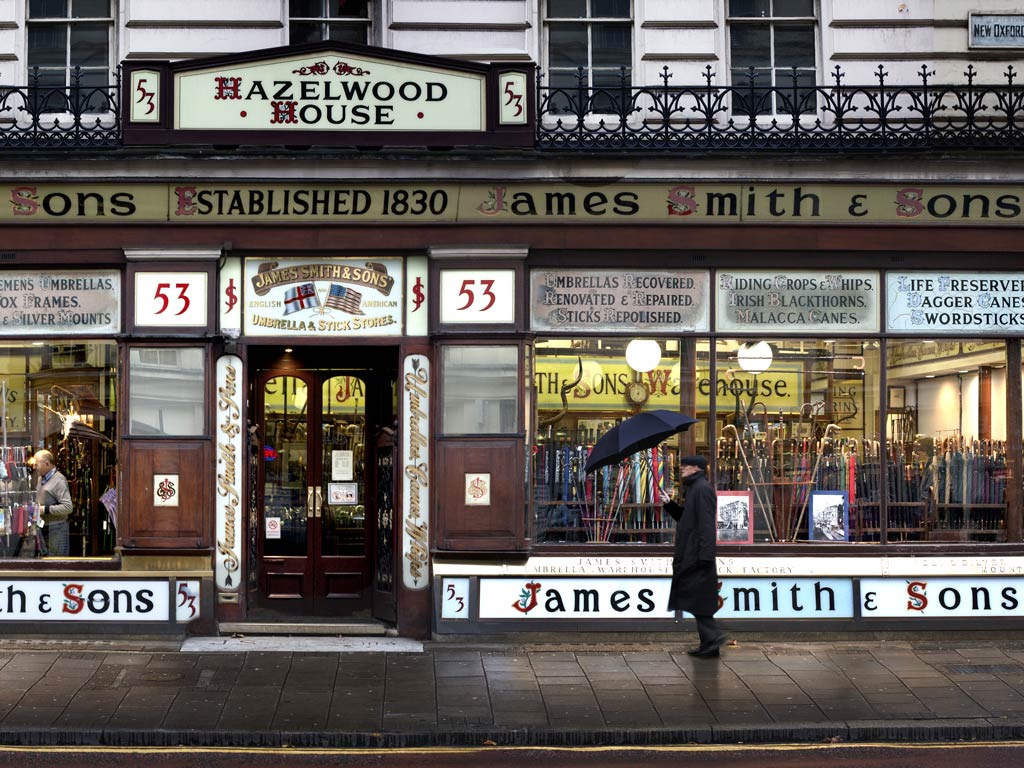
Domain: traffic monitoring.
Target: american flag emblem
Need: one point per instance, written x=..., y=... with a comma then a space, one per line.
x=300, y=297
x=345, y=299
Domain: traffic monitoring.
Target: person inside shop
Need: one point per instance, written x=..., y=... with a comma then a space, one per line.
x=694, y=568
x=54, y=499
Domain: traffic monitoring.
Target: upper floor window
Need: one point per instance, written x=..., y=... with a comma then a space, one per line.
x=773, y=37
x=344, y=21
x=64, y=35
x=596, y=35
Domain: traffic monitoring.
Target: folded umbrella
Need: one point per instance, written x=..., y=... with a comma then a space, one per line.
x=637, y=433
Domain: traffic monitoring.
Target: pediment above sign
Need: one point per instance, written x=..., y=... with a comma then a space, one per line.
x=328, y=94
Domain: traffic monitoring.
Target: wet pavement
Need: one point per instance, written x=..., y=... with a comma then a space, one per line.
x=346, y=692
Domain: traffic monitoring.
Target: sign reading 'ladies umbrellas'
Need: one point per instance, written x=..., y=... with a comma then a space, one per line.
x=955, y=302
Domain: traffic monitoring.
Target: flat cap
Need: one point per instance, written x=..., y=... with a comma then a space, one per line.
x=694, y=461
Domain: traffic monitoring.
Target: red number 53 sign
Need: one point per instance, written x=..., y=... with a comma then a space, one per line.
x=170, y=299
x=478, y=296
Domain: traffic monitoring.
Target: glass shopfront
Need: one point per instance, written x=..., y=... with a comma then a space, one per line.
x=825, y=437
x=59, y=396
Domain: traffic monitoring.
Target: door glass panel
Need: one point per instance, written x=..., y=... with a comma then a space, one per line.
x=342, y=481
x=284, y=466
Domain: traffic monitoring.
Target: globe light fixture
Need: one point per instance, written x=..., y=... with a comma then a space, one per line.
x=755, y=358
x=643, y=355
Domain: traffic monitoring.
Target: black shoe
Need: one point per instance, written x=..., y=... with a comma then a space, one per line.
x=709, y=650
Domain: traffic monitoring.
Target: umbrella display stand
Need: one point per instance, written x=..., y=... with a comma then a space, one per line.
x=625, y=506
x=604, y=484
x=599, y=528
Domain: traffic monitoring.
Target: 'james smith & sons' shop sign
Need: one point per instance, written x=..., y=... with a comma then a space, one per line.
x=328, y=93
x=676, y=203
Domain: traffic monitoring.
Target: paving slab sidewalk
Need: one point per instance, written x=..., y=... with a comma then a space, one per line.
x=387, y=693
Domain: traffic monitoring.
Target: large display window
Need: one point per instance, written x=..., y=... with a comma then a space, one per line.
x=946, y=418
x=58, y=402
x=809, y=439
x=797, y=427
x=583, y=388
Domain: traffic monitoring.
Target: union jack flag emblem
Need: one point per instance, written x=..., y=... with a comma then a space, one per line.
x=300, y=297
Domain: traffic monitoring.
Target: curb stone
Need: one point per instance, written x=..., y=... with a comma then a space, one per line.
x=790, y=733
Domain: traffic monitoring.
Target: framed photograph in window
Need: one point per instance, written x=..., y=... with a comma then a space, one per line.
x=829, y=516
x=735, y=517
x=897, y=397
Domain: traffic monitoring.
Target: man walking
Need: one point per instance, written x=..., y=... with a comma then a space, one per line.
x=694, y=568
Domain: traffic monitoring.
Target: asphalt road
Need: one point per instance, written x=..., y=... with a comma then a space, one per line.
x=987, y=755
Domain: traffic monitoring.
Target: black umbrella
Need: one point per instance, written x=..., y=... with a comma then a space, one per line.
x=645, y=430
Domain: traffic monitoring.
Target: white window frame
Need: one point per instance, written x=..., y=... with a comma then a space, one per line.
x=590, y=21
x=324, y=20
x=772, y=22
x=69, y=22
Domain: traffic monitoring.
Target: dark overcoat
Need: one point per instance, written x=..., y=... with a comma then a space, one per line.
x=694, y=568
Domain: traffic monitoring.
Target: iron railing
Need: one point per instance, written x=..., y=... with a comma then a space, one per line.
x=797, y=115
x=41, y=115
x=747, y=116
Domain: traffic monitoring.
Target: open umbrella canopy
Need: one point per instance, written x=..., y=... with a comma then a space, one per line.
x=637, y=433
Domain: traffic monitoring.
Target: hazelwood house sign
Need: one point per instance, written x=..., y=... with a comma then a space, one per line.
x=337, y=94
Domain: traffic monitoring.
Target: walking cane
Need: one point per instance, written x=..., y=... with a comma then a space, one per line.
x=757, y=490
x=814, y=474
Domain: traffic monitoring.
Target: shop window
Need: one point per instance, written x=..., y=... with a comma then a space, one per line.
x=58, y=398
x=70, y=45
x=344, y=21
x=593, y=38
x=797, y=438
x=777, y=41
x=481, y=390
x=167, y=391
x=946, y=416
x=583, y=388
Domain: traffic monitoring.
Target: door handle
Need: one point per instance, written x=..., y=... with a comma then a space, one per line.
x=310, y=502
x=318, y=502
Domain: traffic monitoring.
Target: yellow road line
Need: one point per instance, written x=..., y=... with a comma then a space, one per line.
x=364, y=751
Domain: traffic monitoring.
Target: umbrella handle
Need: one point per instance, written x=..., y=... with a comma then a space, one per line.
x=565, y=390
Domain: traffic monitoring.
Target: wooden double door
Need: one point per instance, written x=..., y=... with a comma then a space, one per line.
x=324, y=486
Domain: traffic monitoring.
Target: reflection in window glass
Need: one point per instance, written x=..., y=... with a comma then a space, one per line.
x=60, y=397
x=946, y=415
x=167, y=391
x=795, y=427
x=481, y=390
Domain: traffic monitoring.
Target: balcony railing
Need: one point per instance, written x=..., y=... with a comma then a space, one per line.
x=752, y=116
x=747, y=117
x=44, y=116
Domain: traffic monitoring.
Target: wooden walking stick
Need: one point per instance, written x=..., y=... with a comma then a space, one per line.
x=765, y=505
x=814, y=474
